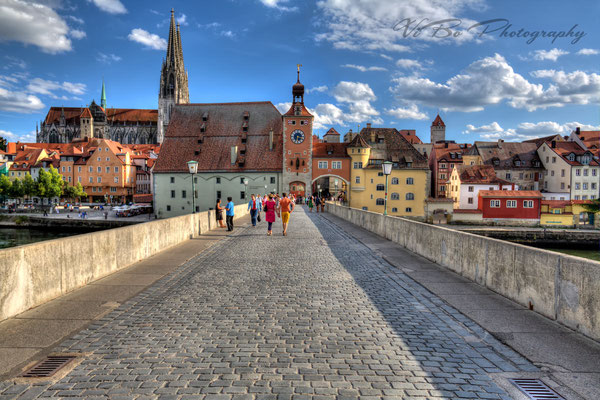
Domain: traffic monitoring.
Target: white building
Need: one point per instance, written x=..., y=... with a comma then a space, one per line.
x=466, y=182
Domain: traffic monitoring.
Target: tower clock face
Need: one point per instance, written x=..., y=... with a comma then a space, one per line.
x=297, y=136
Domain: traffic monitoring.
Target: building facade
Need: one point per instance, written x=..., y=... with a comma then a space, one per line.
x=444, y=157
x=467, y=181
x=510, y=204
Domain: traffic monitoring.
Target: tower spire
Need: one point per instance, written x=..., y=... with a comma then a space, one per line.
x=172, y=47
x=103, y=96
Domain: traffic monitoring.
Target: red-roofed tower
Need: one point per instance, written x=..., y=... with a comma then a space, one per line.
x=438, y=130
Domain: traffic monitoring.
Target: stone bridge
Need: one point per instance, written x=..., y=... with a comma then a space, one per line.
x=330, y=311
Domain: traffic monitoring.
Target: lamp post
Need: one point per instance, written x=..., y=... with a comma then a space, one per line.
x=193, y=168
x=387, y=170
x=245, y=189
x=319, y=190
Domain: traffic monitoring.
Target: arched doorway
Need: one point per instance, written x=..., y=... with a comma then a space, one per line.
x=331, y=186
x=298, y=189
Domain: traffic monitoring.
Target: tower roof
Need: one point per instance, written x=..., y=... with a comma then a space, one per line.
x=358, y=141
x=103, y=96
x=438, y=121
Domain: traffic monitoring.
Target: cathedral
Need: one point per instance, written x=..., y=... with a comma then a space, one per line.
x=124, y=125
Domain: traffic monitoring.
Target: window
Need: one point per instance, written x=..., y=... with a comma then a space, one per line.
x=183, y=194
x=395, y=181
x=442, y=176
x=242, y=195
x=547, y=159
x=442, y=188
x=408, y=209
x=394, y=210
x=358, y=165
x=562, y=185
x=272, y=180
x=99, y=189
x=553, y=160
x=94, y=189
x=594, y=172
x=585, y=186
x=322, y=164
x=371, y=180
x=69, y=179
x=442, y=166
x=99, y=179
x=551, y=173
x=380, y=187
x=470, y=200
x=242, y=180
x=410, y=196
x=395, y=196
x=99, y=159
x=99, y=169
x=172, y=194
x=508, y=175
x=577, y=172
x=577, y=186
x=100, y=149
x=585, y=172
x=108, y=170
x=495, y=203
x=79, y=179
x=218, y=194
x=380, y=173
x=90, y=169
x=91, y=179
x=116, y=179
x=365, y=208
x=336, y=165
x=528, y=203
x=380, y=201
x=594, y=186
x=113, y=189
x=584, y=197
x=471, y=189
x=168, y=208
x=172, y=179
x=511, y=203
x=410, y=181
x=116, y=170
x=63, y=168
x=357, y=179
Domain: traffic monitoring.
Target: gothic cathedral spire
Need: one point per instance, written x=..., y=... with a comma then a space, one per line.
x=103, y=97
x=173, y=80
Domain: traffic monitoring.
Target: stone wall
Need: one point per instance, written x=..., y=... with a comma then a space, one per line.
x=31, y=275
x=560, y=287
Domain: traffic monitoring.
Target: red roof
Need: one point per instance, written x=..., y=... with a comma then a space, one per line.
x=142, y=198
x=331, y=131
x=466, y=211
x=556, y=203
x=511, y=193
x=438, y=121
x=72, y=115
x=410, y=135
x=303, y=111
x=563, y=149
x=482, y=174
x=222, y=123
x=86, y=113
x=329, y=150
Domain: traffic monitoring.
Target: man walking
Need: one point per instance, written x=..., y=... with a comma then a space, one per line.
x=229, y=214
x=253, y=207
x=286, y=206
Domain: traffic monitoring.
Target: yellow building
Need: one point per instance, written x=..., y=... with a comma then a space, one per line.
x=565, y=213
x=408, y=184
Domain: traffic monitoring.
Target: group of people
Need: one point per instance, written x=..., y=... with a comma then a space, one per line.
x=272, y=205
x=315, y=201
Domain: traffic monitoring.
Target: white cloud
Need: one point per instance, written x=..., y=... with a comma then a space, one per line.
x=228, y=34
x=278, y=4
x=107, y=58
x=150, y=40
x=77, y=34
x=386, y=57
x=110, y=6
x=23, y=138
x=210, y=25
x=76, y=19
x=548, y=54
x=588, y=52
x=19, y=102
x=318, y=89
x=358, y=97
x=491, y=81
x=411, y=112
x=33, y=23
x=526, y=130
x=363, y=25
x=327, y=115
x=363, y=68
x=408, y=63
x=14, y=62
x=45, y=87
x=182, y=20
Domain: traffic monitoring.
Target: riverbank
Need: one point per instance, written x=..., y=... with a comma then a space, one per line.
x=67, y=220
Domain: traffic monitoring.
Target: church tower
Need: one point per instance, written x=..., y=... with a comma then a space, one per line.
x=103, y=97
x=438, y=130
x=297, y=144
x=173, y=80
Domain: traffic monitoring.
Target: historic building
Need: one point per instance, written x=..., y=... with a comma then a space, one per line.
x=123, y=125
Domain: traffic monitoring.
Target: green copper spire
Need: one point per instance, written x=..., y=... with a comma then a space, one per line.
x=103, y=97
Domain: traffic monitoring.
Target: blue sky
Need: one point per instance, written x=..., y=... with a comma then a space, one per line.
x=362, y=62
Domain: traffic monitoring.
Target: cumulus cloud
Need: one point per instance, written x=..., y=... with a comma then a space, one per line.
x=411, y=112
x=588, y=52
x=358, y=97
x=19, y=102
x=228, y=34
x=363, y=68
x=278, y=4
x=182, y=20
x=76, y=19
x=107, y=58
x=150, y=40
x=548, y=54
x=325, y=115
x=318, y=89
x=77, y=34
x=491, y=81
x=526, y=130
x=35, y=24
x=110, y=6
x=369, y=25
x=23, y=138
x=48, y=88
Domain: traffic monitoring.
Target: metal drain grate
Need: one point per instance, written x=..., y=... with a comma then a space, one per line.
x=47, y=367
x=536, y=389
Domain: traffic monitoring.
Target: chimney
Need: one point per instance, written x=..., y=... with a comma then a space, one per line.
x=271, y=139
x=554, y=144
x=368, y=125
x=577, y=131
x=234, y=151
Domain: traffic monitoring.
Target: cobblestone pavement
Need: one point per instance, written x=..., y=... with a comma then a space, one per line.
x=314, y=315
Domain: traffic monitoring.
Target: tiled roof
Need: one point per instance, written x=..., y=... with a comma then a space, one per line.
x=563, y=149
x=510, y=193
x=72, y=115
x=223, y=129
x=329, y=150
x=438, y=121
x=440, y=200
x=540, y=140
x=410, y=135
x=142, y=198
x=303, y=111
x=466, y=211
x=504, y=154
x=358, y=141
x=556, y=203
x=86, y=113
x=479, y=174
x=396, y=148
x=441, y=152
x=331, y=131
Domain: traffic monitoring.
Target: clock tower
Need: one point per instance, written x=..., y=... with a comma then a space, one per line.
x=297, y=144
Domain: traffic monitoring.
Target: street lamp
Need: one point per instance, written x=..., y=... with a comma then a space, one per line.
x=193, y=168
x=387, y=170
x=319, y=189
x=245, y=189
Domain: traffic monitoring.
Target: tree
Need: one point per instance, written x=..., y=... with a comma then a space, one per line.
x=29, y=186
x=74, y=192
x=5, y=185
x=50, y=183
x=3, y=143
x=16, y=189
x=593, y=207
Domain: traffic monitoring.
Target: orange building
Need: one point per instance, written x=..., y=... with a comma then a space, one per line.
x=330, y=165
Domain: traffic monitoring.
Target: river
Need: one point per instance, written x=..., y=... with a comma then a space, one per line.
x=10, y=237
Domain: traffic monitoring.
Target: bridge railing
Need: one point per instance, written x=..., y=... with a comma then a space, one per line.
x=561, y=287
x=32, y=274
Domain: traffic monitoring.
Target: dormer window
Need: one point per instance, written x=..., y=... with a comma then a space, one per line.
x=518, y=163
x=571, y=157
x=242, y=152
x=452, y=155
x=297, y=110
x=205, y=117
x=246, y=115
x=245, y=129
x=244, y=140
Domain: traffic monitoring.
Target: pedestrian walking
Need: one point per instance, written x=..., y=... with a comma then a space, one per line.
x=219, y=212
x=286, y=207
x=317, y=203
x=310, y=204
x=253, y=207
x=269, y=208
x=229, y=213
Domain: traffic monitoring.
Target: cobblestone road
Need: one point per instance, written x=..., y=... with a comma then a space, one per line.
x=314, y=315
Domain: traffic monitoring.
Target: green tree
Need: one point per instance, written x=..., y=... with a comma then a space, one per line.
x=79, y=192
x=74, y=193
x=3, y=143
x=50, y=183
x=5, y=185
x=16, y=189
x=29, y=186
x=593, y=207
